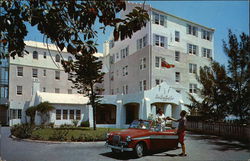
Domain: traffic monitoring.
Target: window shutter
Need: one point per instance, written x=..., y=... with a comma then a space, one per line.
x=165, y=21
x=166, y=42
x=138, y=44
x=154, y=39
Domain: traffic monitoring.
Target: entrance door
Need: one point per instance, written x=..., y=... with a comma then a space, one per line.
x=132, y=112
x=3, y=115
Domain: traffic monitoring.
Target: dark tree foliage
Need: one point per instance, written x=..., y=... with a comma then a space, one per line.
x=86, y=75
x=68, y=24
x=226, y=92
x=238, y=53
x=214, y=92
x=71, y=25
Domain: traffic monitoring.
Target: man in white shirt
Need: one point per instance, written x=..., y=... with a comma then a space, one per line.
x=161, y=119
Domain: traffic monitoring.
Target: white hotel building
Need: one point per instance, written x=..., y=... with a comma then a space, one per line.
x=135, y=83
x=135, y=78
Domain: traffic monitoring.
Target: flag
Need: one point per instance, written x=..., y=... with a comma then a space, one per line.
x=167, y=65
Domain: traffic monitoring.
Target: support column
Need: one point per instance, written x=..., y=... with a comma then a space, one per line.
x=118, y=115
x=153, y=109
x=167, y=110
x=90, y=115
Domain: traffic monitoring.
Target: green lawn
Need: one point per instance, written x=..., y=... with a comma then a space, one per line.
x=71, y=134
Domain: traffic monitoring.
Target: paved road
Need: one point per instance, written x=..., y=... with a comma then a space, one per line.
x=199, y=148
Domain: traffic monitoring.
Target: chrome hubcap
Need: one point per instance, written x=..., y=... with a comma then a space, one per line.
x=139, y=150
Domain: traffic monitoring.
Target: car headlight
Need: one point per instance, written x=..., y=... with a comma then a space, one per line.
x=128, y=138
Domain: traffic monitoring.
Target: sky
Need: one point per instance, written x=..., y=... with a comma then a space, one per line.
x=220, y=15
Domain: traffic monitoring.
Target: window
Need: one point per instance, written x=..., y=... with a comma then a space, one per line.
x=177, y=77
x=162, y=20
x=159, y=19
x=44, y=73
x=19, y=113
x=192, y=30
x=157, y=62
x=57, y=90
x=125, y=89
x=19, y=90
x=145, y=40
x=117, y=56
x=112, y=59
x=124, y=52
x=44, y=55
x=157, y=82
x=15, y=113
x=140, y=85
x=141, y=42
x=192, y=88
x=156, y=18
x=57, y=58
x=78, y=114
x=125, y=70
x=111, y=44
x=144, y=85
x=65, y=114
x=192, y=68
x=160, y=41
x=206, y=35
x=71, y=114
x=58, y=114
x=142, y=63
x=177, y=56
x=34, y=73
x=57, y=75
x=177, y=36
x=112, y=76
x=206, y=53
x=35, y=55
x=117, y=90
x=69, y=91
x=44, y=89
x=20, y=71
x=112, y=91
x=192, y=49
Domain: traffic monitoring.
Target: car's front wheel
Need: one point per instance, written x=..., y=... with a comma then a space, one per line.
x=139, y=150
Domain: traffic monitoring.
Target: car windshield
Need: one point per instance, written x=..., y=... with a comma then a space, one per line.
x=140, y=124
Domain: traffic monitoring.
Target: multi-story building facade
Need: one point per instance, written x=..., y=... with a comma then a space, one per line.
x=4, y=87
x=138, y=79
x=138, y=64
x=36, y=75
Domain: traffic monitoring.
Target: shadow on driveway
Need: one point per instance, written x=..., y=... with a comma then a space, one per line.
x=222, y=143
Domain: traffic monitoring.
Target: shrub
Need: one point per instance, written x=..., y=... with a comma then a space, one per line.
x=59, y=135
x=75, y=122
x=85, y=123
x=66, y=126
x=22, y=130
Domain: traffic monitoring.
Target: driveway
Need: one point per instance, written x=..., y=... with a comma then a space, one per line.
x=199, y=148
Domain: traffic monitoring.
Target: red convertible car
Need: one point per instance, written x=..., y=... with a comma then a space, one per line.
x=141, y=137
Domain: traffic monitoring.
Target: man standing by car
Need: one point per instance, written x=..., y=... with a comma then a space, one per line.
x=181, y=130
x=160, y=119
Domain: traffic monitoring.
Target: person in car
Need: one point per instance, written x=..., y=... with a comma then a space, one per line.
x=181, y=130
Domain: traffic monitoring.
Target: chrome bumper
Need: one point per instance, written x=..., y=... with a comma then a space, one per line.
x=121, y=148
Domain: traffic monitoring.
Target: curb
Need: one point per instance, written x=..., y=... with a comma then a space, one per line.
x=54, y=142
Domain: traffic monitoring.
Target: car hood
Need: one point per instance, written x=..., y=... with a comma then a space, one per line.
x=131, y=132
